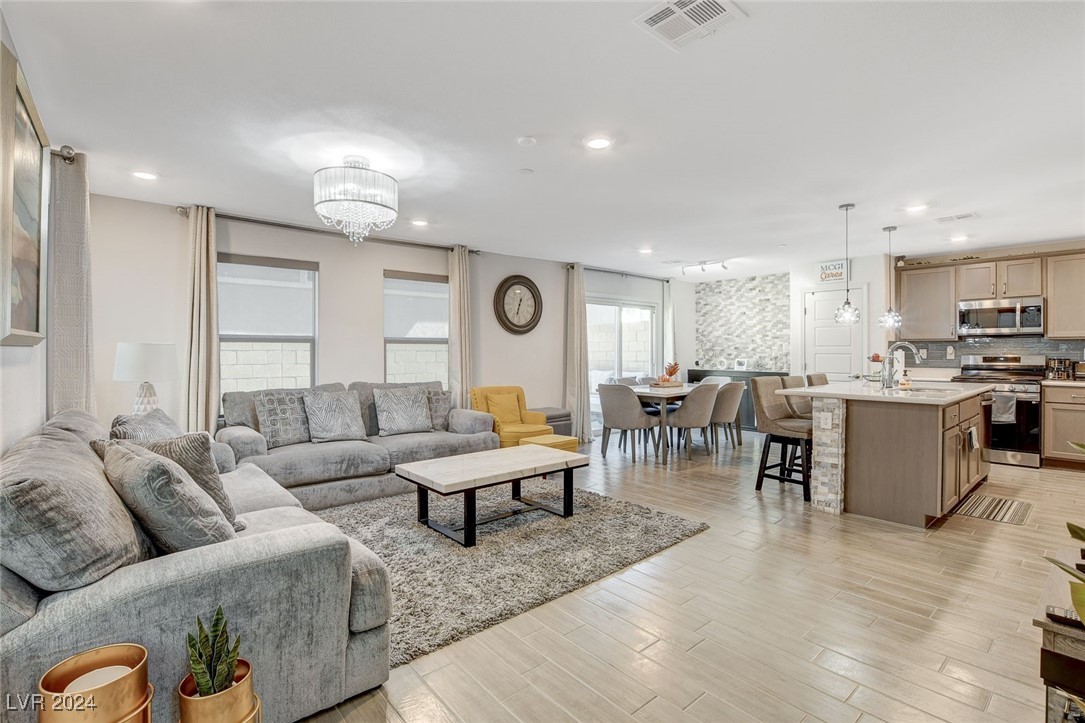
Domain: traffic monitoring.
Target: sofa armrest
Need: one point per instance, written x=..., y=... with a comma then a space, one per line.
x=530, y=417
x=244, y=441
x=224, y=457
x=287, y=593
x=469, y=421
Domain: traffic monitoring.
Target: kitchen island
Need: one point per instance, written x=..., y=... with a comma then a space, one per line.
x=902, y=455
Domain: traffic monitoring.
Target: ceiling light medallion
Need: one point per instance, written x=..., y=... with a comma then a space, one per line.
x=355, y=199
x=890, y=319
x=847, y=313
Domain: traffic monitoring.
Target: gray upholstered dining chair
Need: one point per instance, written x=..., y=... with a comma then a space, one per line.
x=817, y=379
x=775, y=420
x=622, y=411
x=695, y=413
x=801, y=407
x=718, y=381
x=725, y=412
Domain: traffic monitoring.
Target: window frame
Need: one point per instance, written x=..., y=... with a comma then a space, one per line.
x=224, y=257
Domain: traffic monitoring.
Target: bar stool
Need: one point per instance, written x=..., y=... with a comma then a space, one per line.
x=775, y=421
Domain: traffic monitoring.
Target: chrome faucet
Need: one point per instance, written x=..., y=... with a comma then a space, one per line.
x=888, y=365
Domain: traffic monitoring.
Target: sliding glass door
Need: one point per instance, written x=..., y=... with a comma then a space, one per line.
x=622, y=342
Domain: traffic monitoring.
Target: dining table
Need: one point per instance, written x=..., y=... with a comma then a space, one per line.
x=664, y=396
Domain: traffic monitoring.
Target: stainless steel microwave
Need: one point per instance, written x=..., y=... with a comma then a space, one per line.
x=1001, y=317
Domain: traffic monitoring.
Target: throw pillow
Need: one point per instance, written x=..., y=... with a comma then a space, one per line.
x=402, y=410
x=282, y=416
x=440, y=406
x=172, y=508
x=63, y=525
x=333, y=416
x=154, y=424
x=193, y=453
x=504, y=407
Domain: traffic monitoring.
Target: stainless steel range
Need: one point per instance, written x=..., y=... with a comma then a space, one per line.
x=1012, y=413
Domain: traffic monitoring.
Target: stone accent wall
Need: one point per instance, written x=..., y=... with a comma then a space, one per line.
x=416, y=363
x=936, y=350
x=744, y=319
x=251, y=366
x=827, y=470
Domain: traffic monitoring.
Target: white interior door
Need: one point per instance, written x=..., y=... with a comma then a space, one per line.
x=835, y=349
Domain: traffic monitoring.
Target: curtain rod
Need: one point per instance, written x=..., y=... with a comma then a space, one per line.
x=627, y=273
x=183, y=211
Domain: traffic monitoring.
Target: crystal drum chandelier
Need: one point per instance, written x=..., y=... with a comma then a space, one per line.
x=355, y=199
x=847, y=313
x=890, y=319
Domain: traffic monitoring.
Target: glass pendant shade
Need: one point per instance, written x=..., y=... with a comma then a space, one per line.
x=890, y=319
x=848, y=313
x=355, y=199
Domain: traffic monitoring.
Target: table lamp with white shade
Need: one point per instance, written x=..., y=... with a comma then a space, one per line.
x=143, y=362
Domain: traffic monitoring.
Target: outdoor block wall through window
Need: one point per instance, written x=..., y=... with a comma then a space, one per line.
x=267, y=323
x=415, y=327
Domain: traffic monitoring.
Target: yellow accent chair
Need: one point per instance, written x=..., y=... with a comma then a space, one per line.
x=512, y=420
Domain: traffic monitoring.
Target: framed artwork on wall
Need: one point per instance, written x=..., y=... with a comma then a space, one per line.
x=24, y=203
x=740, y=365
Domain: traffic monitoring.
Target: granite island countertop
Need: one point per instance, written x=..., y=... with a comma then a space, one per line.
x=944, y=393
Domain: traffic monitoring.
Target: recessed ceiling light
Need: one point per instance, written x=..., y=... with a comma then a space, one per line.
x=598, y=143
x=526, y=171
x=781, y=246
x=526, y=141
x=918, y=208
x=646, y=251
x=145, y=175
x=420, y=222
x=959, y=238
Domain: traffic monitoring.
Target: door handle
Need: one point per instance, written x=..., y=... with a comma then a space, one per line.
x=857, y=376
x=992, y=288
x=1077, y=396
x=1003, y=288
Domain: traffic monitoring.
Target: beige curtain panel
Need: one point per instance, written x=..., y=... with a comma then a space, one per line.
x=70, y=350
x=201, y=398
x=459, y=326
x=576, y=346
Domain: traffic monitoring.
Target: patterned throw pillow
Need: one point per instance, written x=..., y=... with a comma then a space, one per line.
x=174, y=511
x=193, y=453
x=333, y=416
x=402, y=410
x=504, y=407
x=440, y=406
x=154, y=424
x=282, y=416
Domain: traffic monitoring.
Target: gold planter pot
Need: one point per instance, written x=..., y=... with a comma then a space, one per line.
x=126, y=699
x=237, y=704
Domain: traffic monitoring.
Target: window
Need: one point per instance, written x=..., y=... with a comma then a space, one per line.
x=415, y=327
x=621, y=343
x=267, y=323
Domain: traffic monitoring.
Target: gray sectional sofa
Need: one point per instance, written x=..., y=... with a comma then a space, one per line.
x=311, y=604
x=335, y=473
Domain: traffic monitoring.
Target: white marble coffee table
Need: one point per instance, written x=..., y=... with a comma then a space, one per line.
x=467, y=473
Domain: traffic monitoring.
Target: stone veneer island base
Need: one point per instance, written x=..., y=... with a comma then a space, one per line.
x=906, y=456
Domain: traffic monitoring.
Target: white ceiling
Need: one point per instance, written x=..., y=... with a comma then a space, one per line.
x=744, y=141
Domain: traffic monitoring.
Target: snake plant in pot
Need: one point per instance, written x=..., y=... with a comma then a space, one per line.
x=1077, y=586
x=219, y=688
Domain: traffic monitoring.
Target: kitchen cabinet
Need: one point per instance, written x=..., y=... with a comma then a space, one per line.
x=1065, y=297
x=1064, y=421
x=928, y=304
x=951, y=468
x=1000, y=279
x=962, y=465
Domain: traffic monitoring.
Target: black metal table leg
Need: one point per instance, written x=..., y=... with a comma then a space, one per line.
x=516, y=490
x=567, y=507
x=423, y=504
x=469, y=518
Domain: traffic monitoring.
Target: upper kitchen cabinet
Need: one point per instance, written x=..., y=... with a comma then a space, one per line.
x=1000, y=279
x=1066, y=297
x=928, y=304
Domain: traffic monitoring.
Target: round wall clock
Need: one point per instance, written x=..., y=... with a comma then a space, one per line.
x=518, y=304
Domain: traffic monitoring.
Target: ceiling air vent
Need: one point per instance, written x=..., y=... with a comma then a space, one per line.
x=956, y=217
x=677, y=24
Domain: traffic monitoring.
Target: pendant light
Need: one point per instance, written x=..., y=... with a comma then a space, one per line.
x=847, y=313
x=890, y=319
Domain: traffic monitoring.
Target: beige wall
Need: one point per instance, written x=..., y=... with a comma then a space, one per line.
x=139, y=262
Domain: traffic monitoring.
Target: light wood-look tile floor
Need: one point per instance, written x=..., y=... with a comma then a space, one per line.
x=777, y=613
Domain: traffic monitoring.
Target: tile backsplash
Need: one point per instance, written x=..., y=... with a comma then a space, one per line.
x=936, y=350
x=747, y=319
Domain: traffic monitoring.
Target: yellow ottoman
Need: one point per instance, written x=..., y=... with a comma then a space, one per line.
x=557, y=441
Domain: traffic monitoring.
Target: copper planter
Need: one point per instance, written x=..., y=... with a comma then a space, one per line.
x=237, y=704
x=124, y=700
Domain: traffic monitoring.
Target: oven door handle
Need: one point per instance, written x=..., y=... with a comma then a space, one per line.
x=988, y=403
